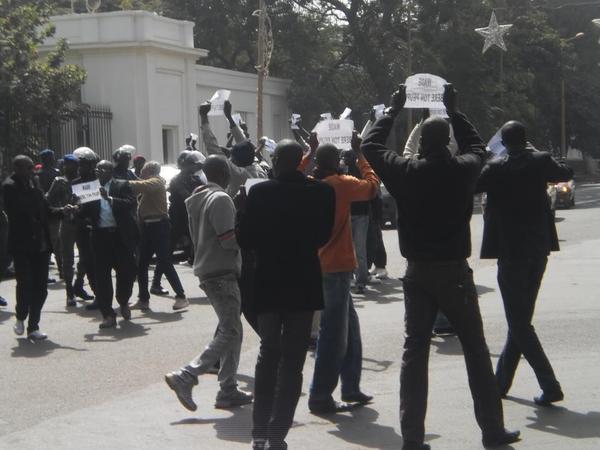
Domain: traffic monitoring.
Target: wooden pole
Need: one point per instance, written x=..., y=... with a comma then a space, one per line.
x=261, y=69
x=563, y=121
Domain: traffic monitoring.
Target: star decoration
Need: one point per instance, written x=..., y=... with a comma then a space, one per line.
x=493, y=34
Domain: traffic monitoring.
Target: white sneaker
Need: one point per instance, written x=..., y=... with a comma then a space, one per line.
x=37, y=335
x=381, y=274
x=181, y=303
x=19, y=328
x=373, y=281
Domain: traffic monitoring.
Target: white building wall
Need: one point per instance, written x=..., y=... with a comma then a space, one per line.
x=143, y=66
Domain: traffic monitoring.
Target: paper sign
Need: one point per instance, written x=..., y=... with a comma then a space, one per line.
x=294, y=121
x=424, y=90
x=346, y=113
x=326, y=116
x=270, y=145
x=496, y=146
x=217, y=102
x=336, y=132
x=237, y=118
x=194, y=137
x=251, y=182
x=87, y=192
x=379, y=109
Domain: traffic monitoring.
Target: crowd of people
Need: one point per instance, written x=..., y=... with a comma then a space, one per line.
x=297, y=243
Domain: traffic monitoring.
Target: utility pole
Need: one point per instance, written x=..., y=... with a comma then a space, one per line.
x=260, y=67
x=409, y=68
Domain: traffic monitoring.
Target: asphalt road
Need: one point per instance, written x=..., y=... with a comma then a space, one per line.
x=88, y=389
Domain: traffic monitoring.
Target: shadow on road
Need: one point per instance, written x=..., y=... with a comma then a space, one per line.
x=29, y=349
x=199, y=300
x=125, y=330
x=562, y=421
x=236, y=428
x=5, y=315
x=450, y=345
x=483, y=289
x=158, y=317
x=372, y=365
x=388, y=291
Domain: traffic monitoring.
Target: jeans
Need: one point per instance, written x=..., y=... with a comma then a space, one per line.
x=360, y=226
x=448, y=286
x=110, y=252
x=519, y=282
x=155, y=239
x=376, y=253
x=31, y=271
x=224, y=296
x=339, y=347
x=70, y=235
x=284, y=339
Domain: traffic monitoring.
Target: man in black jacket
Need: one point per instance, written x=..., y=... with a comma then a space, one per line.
x=28, y=243
x=114, y=239
x=520, y=232
x=434, y=195
x=286, y=220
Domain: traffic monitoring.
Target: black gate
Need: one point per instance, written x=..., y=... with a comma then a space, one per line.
x=91, y=128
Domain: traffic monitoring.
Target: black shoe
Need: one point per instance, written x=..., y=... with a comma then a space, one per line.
x=332, y=407
x=92, y=306
x=108, y=322
x=3, y=302
x=71, y=302
x=547, y=398
x=276, y=445
x=126, y=312
x=504, y=438
x=444, y=331
x=158, y=290
x=80, y=292
x=359, y=397
x=413, y=446
x=51, y=280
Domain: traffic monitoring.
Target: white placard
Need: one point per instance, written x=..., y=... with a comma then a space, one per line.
x=251, y=182
x=379, y=109
x=424, y=90
x=326, y=116
x=496, y=146
x=294, y=121
x=237, y=118
x=217, y=102
x=87, y=192
x=336, y=132
x=270, y=144
x=346, y=113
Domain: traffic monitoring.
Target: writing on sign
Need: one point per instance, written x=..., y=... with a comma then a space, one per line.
x=336, y=132
x=424, y=90
x=87, y=192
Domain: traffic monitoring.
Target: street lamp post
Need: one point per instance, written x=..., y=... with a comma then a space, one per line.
x=563, y=105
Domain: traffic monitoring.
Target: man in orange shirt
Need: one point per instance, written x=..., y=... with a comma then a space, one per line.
x=339, y=348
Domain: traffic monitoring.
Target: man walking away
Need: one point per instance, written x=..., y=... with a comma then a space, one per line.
x=45, y=177
x=29, y=244
x=155, y=235
x=114, y=239
x=285, y=221
x=217, y=265
x=434, y=195
x=339, y=347
x=520, y=232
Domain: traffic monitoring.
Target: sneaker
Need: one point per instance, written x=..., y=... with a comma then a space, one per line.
x=360, y=290
x=183, y=389
x=80, y=292
x=259, y=444
x=232, y=399
x=37, y=335
x=71, y=302
x=373, y=281
x=380, y=274
x=3, y=302
x=141, y=305
x=19, y=328
x=108, y=322
x=158, y=290
x=180, y=303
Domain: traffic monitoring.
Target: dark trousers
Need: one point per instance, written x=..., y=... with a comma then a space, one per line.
x=284, y=339
x=155, y=239
x=447, y=286
x=519, y=282
x=177, y=233
x=31, y=270
x=376, y=253
x=246, y=283
x=110, y=252
x=71, y=235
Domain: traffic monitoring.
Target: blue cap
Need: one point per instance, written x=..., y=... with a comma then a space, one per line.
x=46, y=152
x=70, y=157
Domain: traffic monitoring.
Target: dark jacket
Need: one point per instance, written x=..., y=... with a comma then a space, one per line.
x=434, y=195
x=27, y=214
x=123, y=209
x=46, y=176
x=286, y=220
x=180, y=188
x=518, y=220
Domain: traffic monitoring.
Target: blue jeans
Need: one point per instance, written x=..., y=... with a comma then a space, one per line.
x=339, y=348
x=360, y=228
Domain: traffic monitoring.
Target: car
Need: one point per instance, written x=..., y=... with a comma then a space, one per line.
x=565, y=194
x=389, y=211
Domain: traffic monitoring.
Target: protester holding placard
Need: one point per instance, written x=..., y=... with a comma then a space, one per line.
x=434, y=196
x=29, y=244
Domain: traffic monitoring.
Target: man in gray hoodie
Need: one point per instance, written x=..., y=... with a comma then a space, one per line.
x=217, y=264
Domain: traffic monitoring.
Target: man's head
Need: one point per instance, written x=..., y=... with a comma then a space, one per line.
x=87, y=161
x=122, y=156
x=23, y=167
x=435, y=136
x=514, y=136
x=104, y=171
x=216, y=170
x=47, y=158
x=138, y=163
x=328, y=157
x=287, y=157
x=151, y=169
x=242, y=154
x=70, y=166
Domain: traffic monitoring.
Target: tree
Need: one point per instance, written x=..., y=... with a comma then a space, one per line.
x=35, y=92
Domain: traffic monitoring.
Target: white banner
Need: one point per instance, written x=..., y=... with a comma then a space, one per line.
x=379, y=110
x=346, y=113
x=326, y=116
x=294, y=121
x=424, y=90
x=496, y=146
x=87, y=192
x=217, y=102
x=336, y=132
